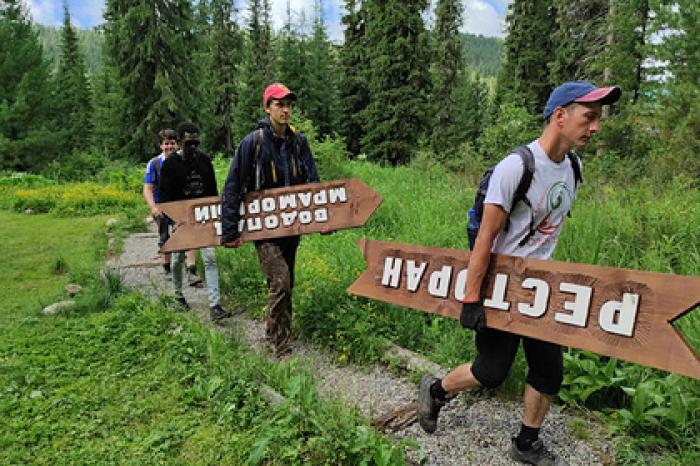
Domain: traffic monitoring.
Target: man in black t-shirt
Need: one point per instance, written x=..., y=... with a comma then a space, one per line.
x=189, y=174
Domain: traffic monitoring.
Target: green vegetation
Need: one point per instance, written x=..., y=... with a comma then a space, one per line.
x=125, y=379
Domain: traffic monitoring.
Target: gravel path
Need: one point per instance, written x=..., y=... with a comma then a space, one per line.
x=476, y=431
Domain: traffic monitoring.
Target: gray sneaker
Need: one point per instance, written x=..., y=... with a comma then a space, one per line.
x=217, y=313
x=428, y=407
x=537, y=454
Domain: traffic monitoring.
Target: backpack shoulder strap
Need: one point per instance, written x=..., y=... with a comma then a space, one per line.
x=526, y=180
x=156, y=168
x=257, y=141
x=576, y=167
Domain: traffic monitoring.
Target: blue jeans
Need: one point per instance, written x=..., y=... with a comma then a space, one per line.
x=211, y=273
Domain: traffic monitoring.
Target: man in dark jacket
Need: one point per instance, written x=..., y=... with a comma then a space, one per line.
x=189, y=174
x=272, y=156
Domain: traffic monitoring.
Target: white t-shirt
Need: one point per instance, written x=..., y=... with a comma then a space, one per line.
x=551, y=194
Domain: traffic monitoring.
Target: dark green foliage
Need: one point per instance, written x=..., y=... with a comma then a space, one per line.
x=353, y=90
x=148, y=44
x=320, y=96
x=292, y=60
x=482, y=54
x=90, y=41
x=26, y=140
x=221, y=57
x=72, y=98
x=524, y=78
x=579, y=40
x=257, y=68
x=398, y=79
x=448, y=73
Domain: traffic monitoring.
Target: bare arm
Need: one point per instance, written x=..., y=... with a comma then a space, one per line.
x=491, y=224
x=148, y=195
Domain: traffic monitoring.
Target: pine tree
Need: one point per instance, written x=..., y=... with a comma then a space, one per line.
x=524, y=77
x=148, y=44
x=353, y=91
x=320, y=97
x=72, y=88
x=257, y=69
x=448, y=73
x=580, y=40
x=292, y=60
x=398, y=79
x=26, y=140
x=222, y=67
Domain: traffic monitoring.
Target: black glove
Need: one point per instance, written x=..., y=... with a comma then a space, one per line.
x=473, y=316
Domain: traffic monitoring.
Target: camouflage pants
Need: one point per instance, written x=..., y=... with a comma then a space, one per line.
x=277, y=263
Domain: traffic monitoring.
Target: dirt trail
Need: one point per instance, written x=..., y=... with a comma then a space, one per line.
x=474, y=433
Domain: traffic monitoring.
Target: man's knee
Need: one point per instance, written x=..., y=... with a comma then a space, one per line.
x=549, y=383
x=489, y=375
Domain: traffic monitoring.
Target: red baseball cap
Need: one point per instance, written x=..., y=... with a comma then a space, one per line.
x=277, y=91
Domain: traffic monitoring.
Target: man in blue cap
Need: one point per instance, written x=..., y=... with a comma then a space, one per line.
x=528, y=227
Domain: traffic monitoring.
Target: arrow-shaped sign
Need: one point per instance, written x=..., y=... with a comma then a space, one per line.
x=273, y=213
x=621, y=313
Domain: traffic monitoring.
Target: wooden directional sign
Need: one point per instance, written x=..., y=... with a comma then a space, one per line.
x=621, y=313
x=274, y=213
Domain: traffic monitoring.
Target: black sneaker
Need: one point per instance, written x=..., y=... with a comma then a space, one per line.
x=194, y=280
x=537, y=454
x=217, y=313
x=428, y=407
x=182, y=303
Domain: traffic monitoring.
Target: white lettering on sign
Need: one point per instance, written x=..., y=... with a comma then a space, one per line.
x=539, y=307
x=616, y=317
x=202, y=214
x=414, y=274
x=288, y=201
x=305, y=199
x=461, y=285
x=254, y=224
x=217, y=227
x=439, y=283
x=268, y=204
x=392, y=272
x=338, y=195
x=305, y=217
x=578, y=308
x=288, y=218
x=320, y=198
x=272, y=222
x=497, y=300
x=619, y=317
x=254, y=207
x=321, y=215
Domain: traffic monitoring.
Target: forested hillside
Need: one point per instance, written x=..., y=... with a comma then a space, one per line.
x=89, y=40
x=483, y=54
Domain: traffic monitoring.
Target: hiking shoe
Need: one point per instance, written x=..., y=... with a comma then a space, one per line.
x=428, y=407
x=217, y=313
x=193, y=279
x=182, y=303
x=537, y=454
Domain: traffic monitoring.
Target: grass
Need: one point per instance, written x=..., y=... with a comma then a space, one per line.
x=124, y=380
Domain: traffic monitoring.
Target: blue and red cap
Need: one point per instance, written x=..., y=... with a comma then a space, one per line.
x=582, y=92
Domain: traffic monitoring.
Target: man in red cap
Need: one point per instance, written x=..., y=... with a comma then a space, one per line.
x=272, y=156
x=527, y=226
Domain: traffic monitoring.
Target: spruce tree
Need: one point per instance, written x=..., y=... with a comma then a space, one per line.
x=292, y=59
x=26, y=140
x=529, y=47
x=320, y=96
x=580, y=40
x=398, y=79
x=149, y=45
x=448, y=74
x=222, y=67
x=256, y=70
x=73, y=100
x=354, y=69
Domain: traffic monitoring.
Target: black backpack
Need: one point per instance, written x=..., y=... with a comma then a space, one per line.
x=477, y=211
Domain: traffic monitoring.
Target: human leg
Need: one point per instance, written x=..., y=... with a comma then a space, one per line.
x=276, y=270
x=495, y=353
x=211, y=275
x=176, y=261
x=545, y=363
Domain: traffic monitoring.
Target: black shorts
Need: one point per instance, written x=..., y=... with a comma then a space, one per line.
x=496, y=351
